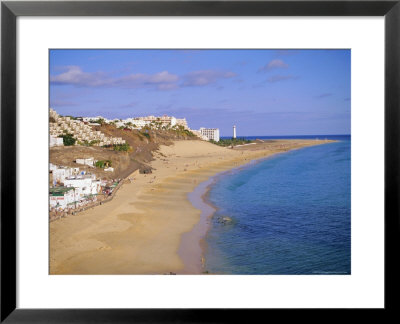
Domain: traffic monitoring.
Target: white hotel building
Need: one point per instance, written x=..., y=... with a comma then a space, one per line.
x=210, y=133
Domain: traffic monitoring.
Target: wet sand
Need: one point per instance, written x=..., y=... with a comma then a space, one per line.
x=154, y=225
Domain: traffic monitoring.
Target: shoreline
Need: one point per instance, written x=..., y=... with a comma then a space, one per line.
x=148, y=227
x=193, y=244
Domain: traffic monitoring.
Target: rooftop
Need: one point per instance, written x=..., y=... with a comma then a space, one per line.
x=60, y=191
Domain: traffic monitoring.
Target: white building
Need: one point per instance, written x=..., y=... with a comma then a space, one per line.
x=165, y=120
x=56, y=141
x=89, y=161
x=80, y=130
x=90, y=119
x=198, y=134
x=234, y=131
x=52, y=167
x=62, y=197
x=60, y=174
x=119, y=124
x=84, y=185
x=138, y=123
x=210, y=133
x=182, y=122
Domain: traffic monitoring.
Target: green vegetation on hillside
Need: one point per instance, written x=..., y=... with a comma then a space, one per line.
x=180, y=130
x=100, y=121
x=103, y=164
x=176, y=129
x=231, y=142
x=87, y=143
x=122, y=147
x=119, y=147
x=145, y=133
x=68, y=139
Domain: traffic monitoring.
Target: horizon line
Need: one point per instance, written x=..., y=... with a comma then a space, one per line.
x=288, y=135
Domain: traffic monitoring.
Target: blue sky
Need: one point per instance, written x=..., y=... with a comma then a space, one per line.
x=262, y=92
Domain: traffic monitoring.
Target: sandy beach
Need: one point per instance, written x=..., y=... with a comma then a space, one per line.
x=151, y=227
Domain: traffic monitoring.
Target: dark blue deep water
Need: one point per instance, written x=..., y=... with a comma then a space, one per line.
x=290, y=214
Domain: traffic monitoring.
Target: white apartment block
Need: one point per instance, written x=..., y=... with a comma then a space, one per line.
x=182, y=122
x=93, y=119
x=139, y=123
x=164, y=120
x=134, y=123
x=198, y=134
x=80, y=131
x=56, y=141
x=210, y=133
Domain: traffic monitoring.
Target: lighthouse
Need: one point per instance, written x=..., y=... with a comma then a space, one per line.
x=234, y=131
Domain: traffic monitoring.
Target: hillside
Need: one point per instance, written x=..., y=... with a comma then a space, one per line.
x=143, y=145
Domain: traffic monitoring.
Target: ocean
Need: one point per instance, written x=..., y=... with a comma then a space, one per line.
x=287, y=214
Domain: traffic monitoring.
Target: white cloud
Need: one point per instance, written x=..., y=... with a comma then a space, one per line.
x=161, y=80
x=75, y=76
x=274, y=64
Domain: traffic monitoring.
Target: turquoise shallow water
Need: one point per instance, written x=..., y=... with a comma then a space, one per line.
x=290, y=214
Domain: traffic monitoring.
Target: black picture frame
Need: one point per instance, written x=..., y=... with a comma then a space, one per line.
x=10, y=10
